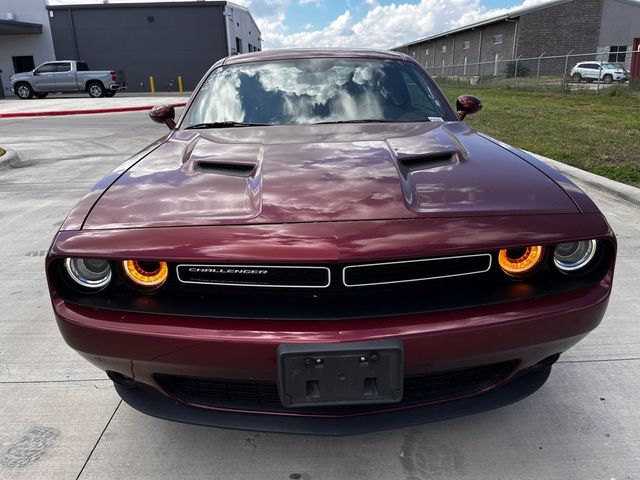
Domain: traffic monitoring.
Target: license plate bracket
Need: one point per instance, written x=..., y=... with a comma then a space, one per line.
x=357, y=373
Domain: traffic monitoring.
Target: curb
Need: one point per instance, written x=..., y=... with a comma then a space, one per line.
x=9, y=159
x=57, y=113
x=615, y=189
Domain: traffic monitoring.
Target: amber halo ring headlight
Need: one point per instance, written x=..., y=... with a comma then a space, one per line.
x=572, y=256
x=90, y=273
x=518, y=262
x=146, y=274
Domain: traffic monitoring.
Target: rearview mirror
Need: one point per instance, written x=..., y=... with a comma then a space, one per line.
x=164, y=114
x=467, y=105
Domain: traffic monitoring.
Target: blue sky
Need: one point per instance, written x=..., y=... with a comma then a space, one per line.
x=367, y=23
x=358, y=23
x=315, y=14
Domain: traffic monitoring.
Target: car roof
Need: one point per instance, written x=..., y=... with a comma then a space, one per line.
x=293, y=53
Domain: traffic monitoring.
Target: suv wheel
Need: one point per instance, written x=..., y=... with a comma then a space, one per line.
x=576, y=77
x=96, y=90
x=608, y=78
x=24, y=91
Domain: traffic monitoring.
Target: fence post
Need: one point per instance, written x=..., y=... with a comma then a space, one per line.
x=538, y=71
x=601, y=55
x=515, y=73
x=564, y=76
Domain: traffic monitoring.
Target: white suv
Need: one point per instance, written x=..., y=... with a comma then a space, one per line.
x=590, y=71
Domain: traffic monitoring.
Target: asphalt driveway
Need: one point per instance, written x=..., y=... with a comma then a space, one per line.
x=61, y=419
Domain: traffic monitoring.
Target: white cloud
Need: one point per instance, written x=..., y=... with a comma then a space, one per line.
x=383, y=26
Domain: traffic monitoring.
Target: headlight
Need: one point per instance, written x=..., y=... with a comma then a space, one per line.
x=572, y=256
x=146, y=274
x=518, y=262
x=89, y=272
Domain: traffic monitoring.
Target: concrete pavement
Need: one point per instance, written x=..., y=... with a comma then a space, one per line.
x=61, y=419
x=60, y=104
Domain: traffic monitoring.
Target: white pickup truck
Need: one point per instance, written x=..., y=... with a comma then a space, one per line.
x=67, y=76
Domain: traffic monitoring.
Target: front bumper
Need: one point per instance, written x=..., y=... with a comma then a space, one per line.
x=143, y=346
x=148, y=400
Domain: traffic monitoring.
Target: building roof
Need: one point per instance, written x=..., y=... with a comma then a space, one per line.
x=500, y=18
x=180, y=4
x=12, y=27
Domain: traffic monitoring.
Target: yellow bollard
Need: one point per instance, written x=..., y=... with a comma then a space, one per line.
x=152, y=84
x=180, y=85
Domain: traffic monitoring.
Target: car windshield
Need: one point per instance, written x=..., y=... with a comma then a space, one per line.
x=311, y=91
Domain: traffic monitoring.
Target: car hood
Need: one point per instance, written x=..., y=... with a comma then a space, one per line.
x=321, y=173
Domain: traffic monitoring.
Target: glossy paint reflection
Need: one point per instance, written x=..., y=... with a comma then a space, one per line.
x=324, y=173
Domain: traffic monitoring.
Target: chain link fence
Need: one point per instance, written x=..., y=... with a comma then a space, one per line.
x=597, y=72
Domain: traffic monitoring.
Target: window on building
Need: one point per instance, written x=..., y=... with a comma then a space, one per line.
x=444, y=48
x=426, y=51
x=497, y=39
x=238, y=45
x=413, y=54
x=618, y=53
x=466, y=44
x=23, y=64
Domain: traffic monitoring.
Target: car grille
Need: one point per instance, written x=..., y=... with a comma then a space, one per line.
x=418, y=389
x=383, y=273
x=415, y=270
x=255, y=275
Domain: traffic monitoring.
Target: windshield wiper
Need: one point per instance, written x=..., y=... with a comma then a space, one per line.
x=225, y=125
x=366, y=120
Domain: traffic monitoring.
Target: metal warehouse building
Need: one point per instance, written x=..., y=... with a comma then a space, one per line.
x=25, y=38
x=556, y=28
x=161, y=39
x=164, y=39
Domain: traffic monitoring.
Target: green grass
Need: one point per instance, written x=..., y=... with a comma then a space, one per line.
x=598, y=133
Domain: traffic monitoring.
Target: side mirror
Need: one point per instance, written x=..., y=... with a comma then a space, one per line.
x=35, y=73
x=467, y=105
x=164, y=114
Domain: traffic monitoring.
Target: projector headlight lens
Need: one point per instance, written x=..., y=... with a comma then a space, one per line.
x=572, y=256
x=89, y=273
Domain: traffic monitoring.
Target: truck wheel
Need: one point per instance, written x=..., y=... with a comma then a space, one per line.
x=109, y=93
x=95, y=89
x=40, y=94
x=576, y=77
x=24, y=91
x=608, y=78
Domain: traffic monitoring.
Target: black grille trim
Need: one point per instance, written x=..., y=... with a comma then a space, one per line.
x=418, y=389
x=404, y=271
x=270, y=276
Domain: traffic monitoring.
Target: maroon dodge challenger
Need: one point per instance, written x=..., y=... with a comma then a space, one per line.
x=321, y=245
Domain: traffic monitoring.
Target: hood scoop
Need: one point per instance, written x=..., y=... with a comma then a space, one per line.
x=416, y=163
x=201, y=155
x=229, y=169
